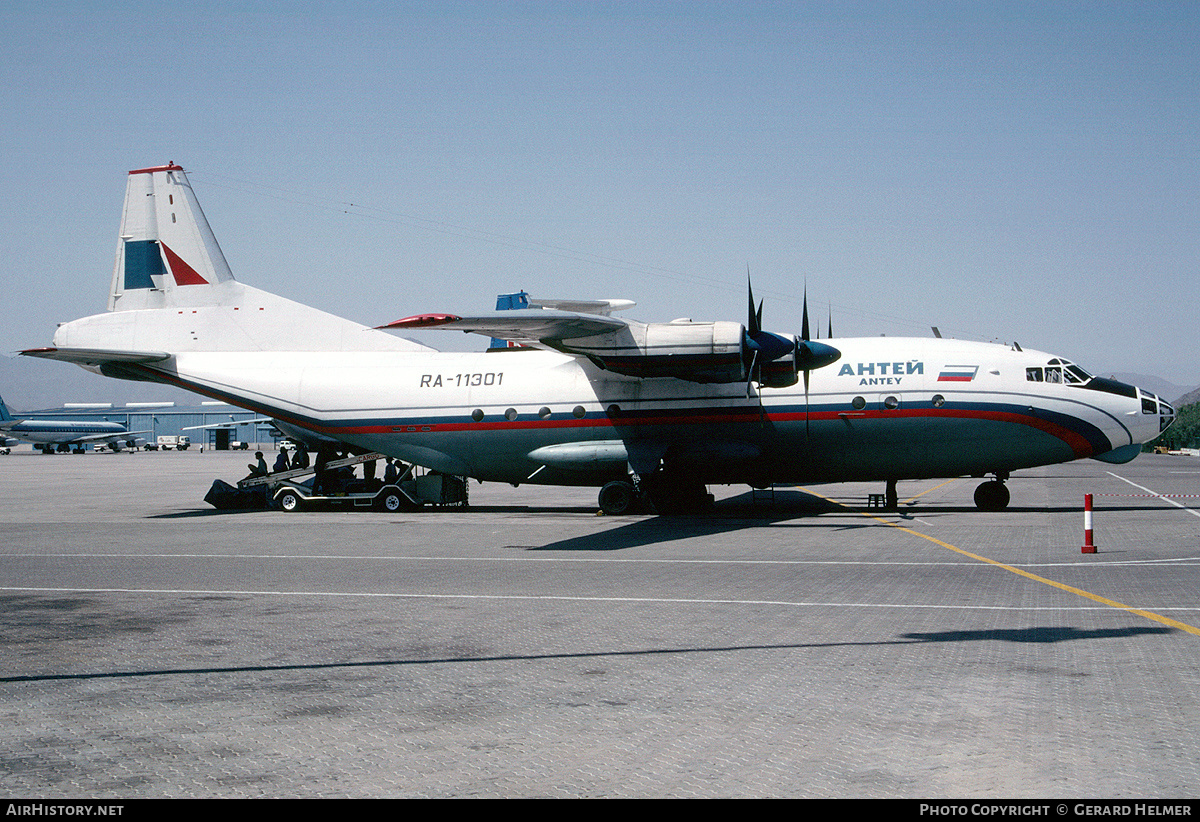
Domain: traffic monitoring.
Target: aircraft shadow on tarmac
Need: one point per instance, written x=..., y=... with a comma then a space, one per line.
x=791, y=507
x=1046, y=634
x=729, y=515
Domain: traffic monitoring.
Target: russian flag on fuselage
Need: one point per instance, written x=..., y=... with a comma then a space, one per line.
x=958, y=373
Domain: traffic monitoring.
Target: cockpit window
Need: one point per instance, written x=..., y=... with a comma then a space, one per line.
x=1059, y=372
x=1077, y=374
x=1168, y=416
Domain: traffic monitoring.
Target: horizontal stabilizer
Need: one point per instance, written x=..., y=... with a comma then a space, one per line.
x=95, y=356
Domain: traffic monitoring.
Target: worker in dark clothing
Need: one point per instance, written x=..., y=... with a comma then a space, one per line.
x=258, y=469
x=324, y=477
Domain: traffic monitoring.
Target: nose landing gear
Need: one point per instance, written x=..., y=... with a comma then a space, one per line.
x=992, y=495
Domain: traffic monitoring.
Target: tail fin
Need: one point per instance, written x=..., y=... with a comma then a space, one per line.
x=4, y=415
x=172, y=291
x=166, y=245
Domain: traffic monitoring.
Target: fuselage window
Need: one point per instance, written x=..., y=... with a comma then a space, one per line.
x=938, y=400
x=1033, y=374
x=1149, y=406
x=891, y=403
x=859, y=403
x=1054, y=375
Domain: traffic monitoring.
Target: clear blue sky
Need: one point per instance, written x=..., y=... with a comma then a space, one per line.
x=1004, y=171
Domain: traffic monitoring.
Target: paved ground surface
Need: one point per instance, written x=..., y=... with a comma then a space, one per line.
x=153, y=647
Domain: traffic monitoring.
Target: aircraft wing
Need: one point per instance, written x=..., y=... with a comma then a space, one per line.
x=95, y=356
x=120, y=436
x=230, y=424
x=524, y=325
x=703, y=352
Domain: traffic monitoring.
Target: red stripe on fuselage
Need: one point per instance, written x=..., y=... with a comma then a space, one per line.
x=1078, y=444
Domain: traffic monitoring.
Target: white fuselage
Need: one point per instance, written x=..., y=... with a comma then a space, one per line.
x=890, y=408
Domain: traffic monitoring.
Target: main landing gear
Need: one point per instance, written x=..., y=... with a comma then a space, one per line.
x=666, y=493
x=618, y=497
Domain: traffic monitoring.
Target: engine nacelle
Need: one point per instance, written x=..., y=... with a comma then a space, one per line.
x=716, y=352
x=713, y=352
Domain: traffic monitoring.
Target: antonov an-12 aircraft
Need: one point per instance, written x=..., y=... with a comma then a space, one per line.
x=653, y=410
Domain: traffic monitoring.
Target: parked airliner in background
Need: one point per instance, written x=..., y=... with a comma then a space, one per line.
x=62, y=435
x=637, y=409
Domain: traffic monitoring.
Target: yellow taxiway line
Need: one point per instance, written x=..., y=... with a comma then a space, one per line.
x=1182, y=626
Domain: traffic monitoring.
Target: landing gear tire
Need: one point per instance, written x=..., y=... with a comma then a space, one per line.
x=992, y=496
x=617, y=497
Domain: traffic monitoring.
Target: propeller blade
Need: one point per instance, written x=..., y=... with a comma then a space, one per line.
x=804, y=326
x=754, y=323
x=750, y=374
x=806, y=432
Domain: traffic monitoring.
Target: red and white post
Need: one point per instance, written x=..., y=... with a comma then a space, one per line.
x=1089, y=546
